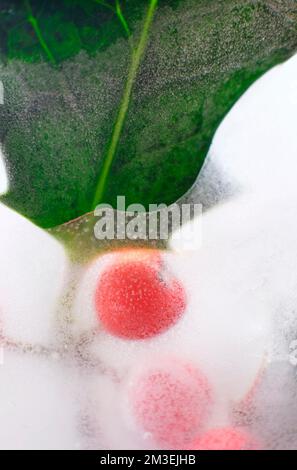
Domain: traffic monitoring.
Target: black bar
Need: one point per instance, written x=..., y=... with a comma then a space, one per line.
x=137, y=459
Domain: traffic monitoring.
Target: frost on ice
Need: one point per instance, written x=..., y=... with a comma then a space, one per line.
x=36, y=393
x=66, y=381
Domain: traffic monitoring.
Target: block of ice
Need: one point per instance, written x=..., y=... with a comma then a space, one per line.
x=32, y=275
x=38, y=404
x=255, y=147
x=237, y=326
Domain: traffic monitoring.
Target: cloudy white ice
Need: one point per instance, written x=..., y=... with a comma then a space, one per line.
x=240, y=321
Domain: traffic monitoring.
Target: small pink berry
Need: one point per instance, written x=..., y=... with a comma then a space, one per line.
x=227, y=438
x=171, y=403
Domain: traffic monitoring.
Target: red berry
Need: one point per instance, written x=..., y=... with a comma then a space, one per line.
x=137, y=297
x=171, y=403
x=226, y=438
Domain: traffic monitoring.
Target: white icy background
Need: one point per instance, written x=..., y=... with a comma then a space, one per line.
x=36, y=400
x=241, y=286
x=3, y=174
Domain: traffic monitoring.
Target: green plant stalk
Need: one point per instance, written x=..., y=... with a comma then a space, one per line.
x=34, y=23
x=122, y=18
x=117, y=10
x=137, y=55
x=105, y=4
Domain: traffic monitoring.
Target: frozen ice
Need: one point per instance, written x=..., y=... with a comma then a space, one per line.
x=32, y=276
x=255, y=147
x=64, y=379
x=3, y=174
x=38, y=404
x=37, y=396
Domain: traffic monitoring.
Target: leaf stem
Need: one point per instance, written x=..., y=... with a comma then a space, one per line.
x=137, y=55
x=117, y=10
x=122, y=18
x=105, y=4
x=35, y=25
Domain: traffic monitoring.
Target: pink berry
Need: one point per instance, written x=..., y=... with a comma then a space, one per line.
x=171, y=403
x=227, y=438
x=137, y=297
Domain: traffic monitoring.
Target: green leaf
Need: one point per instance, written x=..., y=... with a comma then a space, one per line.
x=123, y=98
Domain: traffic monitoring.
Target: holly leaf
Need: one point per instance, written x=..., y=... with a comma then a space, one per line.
x=108, y=98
